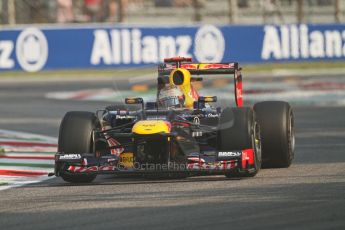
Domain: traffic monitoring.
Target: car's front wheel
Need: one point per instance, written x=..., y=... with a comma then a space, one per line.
x=238, y=130
x=75, y=137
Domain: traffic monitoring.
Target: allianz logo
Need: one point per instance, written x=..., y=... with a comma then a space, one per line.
x=299, y=42
x=30, y=50
x=131, y=46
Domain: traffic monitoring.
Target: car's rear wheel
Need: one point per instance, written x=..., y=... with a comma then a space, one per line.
x=276, y=121
x=75, y=137
x=238, y=130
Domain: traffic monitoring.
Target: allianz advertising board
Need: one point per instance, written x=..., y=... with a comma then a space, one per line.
x=49, y=48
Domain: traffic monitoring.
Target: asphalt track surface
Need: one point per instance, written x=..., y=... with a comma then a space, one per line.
x=308, y=195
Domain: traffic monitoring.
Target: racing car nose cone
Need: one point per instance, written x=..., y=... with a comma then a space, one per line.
x=151, y=127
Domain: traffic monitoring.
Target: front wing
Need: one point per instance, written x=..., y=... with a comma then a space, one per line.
x=89, y=164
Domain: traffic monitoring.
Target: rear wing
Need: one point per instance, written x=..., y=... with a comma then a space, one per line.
x=200, y=68
x=232, y=68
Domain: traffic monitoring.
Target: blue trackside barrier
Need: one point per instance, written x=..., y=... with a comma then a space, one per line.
x=103, y=46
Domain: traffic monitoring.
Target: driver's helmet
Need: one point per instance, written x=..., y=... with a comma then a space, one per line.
x=170, y=97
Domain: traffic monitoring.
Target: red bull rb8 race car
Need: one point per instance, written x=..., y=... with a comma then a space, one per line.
x=180, y=134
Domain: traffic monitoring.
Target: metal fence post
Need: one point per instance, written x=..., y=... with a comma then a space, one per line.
x=300, y=11
x=1, y=12
x=197, y=14
x=11, y=12
x=120, y=12
x=337, y=8
x=232, y=11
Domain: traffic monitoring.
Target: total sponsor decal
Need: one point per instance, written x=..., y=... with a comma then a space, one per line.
x=70, y=157
x=302, y=42
x=25, y=158
x=30, y=49
x=126, y=46
x=229, y=154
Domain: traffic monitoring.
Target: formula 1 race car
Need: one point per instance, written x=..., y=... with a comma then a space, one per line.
x=180, y=134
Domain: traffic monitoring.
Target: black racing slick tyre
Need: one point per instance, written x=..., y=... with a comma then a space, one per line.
x=75, y=136
x=238, y=130
x=276, y=121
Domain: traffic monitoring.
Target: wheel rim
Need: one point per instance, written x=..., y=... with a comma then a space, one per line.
x=291, y=136
x=257, y=145
x=257, y=140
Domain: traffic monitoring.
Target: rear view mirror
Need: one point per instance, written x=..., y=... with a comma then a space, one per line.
x=204, y=99
x=134, y=101
x=207, y=99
